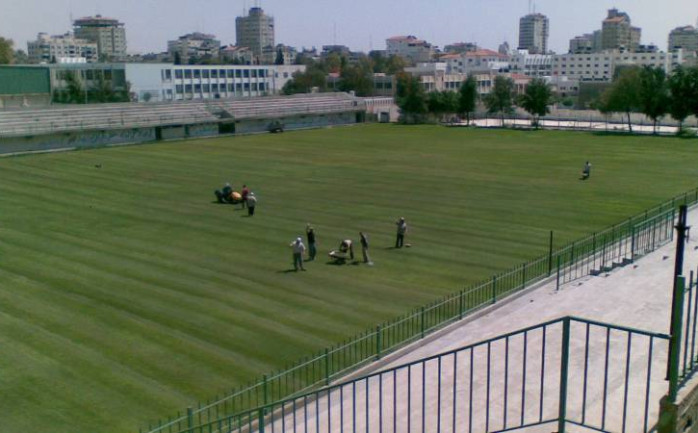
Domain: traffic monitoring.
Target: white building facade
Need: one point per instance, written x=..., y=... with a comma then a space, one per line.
x=61, y=49
x=600, y=67
x=410, y=48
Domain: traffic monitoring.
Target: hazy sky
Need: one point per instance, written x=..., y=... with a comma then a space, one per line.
x=360, y=24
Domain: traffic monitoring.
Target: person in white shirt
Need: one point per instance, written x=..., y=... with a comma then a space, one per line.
x=298, y=251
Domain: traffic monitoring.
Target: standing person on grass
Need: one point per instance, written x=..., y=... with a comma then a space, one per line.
x=298, y=251
x=310, y=233
x=245, y=193
x=251, y=203
x=401, y=230
x=364, y=248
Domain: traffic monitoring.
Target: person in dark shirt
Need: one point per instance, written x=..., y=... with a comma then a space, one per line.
x=364, y=248
x=245, y=192
x=312, y=249
x=401, y=230
x=586, y=172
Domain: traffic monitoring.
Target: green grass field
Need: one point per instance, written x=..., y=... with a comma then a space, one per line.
x=126, y=294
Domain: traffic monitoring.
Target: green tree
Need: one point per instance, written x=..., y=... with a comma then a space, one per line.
x=623, y=95
x=304, y=82
x=279, y=57
x=467, y=99
x=74, y=90
x=21, y=57
x=410, y=98
x=501, y=98
x=357, y=78
x=654, y=94
x=395, y=65
x=536, y=100
x=680, y=90
x=6, y=52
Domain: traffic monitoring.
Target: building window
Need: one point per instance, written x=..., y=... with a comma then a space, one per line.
x=238, y=73
x=231, y=73
x=179, y=88
x=197, y=73
x=238, y=88
x=188, y=88
x=207, y=88
x=246, y=73
x=221, y=73
x=178, y=74
x=187, y=73
x=254, y=87
x=231, y=87
x=247, y=87
x=285, y=74
x=214, y=88
x=197, y=88
x=214, y=73
x=205, y=73
x=262, y=73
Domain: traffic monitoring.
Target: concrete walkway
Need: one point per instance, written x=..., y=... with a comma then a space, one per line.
x=515, y=381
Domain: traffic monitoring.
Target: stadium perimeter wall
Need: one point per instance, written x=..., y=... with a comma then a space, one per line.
x=99, y=138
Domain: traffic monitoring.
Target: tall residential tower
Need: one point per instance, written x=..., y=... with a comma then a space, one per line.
x=534, y=30
x=109, y=35
x=256, y=32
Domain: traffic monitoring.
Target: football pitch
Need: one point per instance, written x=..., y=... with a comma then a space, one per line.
x=127, y=293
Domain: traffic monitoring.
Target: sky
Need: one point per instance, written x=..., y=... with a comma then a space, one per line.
x=359, y=24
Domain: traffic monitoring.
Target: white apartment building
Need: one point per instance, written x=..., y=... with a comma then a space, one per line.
x=410, y=48
x=61, y=48
x=532, y=65
x=474, y=62
x=194, y=46
x=108, y=33
x=601, y=66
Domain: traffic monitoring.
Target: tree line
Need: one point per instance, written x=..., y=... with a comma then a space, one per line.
x=417, y=106
x=652, y=92
x=356, y=76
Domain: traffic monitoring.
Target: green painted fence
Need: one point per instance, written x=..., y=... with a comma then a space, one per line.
x=616, y=246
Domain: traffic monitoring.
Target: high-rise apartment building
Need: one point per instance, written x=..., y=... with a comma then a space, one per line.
x=108, y=33
x=534, y=30
x=618, y=33
x=61, y=49
x=256, y=32
x=684, y=37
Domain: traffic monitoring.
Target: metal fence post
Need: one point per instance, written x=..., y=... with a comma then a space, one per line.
x=550, y=255
x=190, y=420
x=260, y=417
x=564, y=367
x=675, y=342
x=558, y=274
x=632, y=244
x=379, y=342
x=264, y=389
x=494, y=289
x=523, y=276
x=460, y=305
x=422, y=322
x=327, y=366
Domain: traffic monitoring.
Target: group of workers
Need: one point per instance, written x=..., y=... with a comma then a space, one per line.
x=246, y=197
x=346, y=247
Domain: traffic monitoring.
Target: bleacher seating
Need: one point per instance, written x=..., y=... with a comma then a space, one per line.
x=135, y=115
